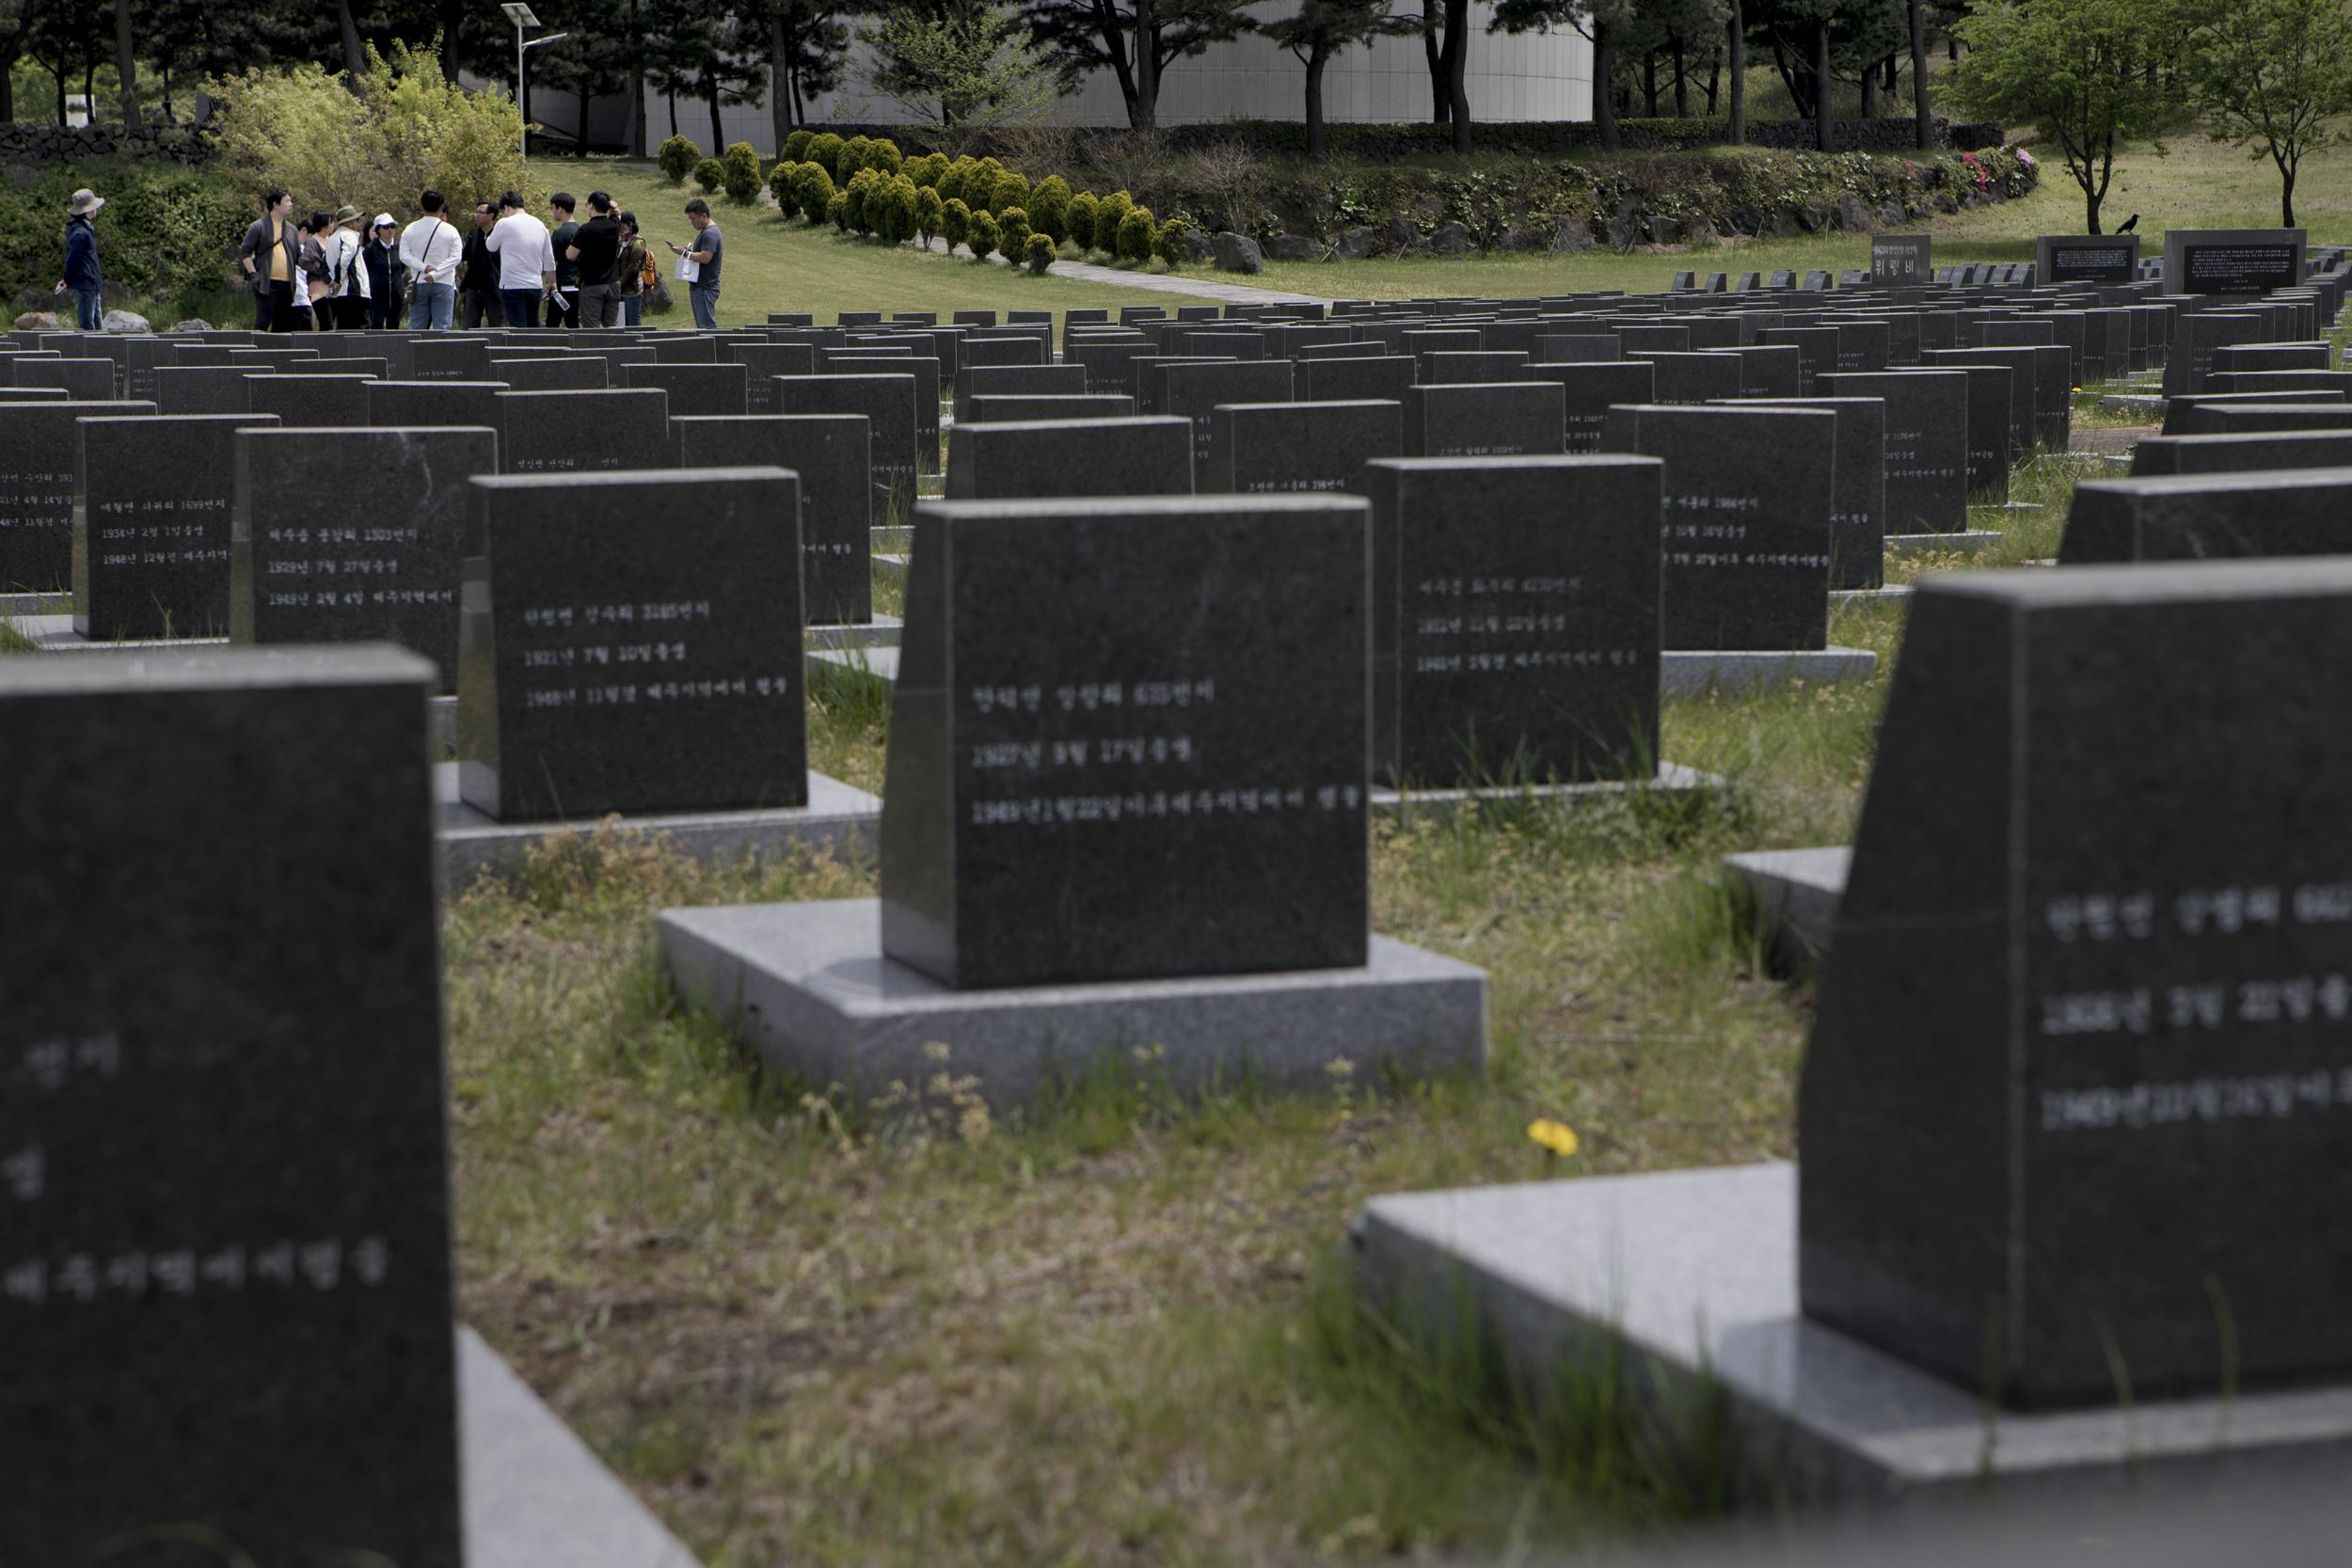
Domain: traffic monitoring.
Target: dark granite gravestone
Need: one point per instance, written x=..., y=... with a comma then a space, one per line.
x=1900, y=260
x=694, y=388
x=2041, y=391
x=2232, y=260
x=1591, y=388
x=1927, y=444
x=2196, y=337
x=151, y=523
x=837, y=496
x=1213, y=741
x=84, y=380
x=580, y=373
x=2240, y=413
x=1191, y=391
x=561, y=432
x=2157, y=456
x=1768, y=370
x=1507, y=419
x=1450, y=367
x=632, y=642
x=1023, y=348
x=1695, y=378
x=2055, y=1166
x=766, y=361
x=39, y=449
x=926, y=371
x=449, y=359
x=384, y=568
x=1871, y=345
x=2208, y=517
x=203, y=390
x=888, y=403
x=435, y=403
x=1070, y=406
x=329, y=400
x=1515, y=619
x=1748, y=494
x=2087, y=258
x=1357, y=379
x=1992, y=427
x=1001, y=460
x=1857, y=517
x=1257, y=449
x=1024, y=380
x=1817, y=352
x=224, y=1268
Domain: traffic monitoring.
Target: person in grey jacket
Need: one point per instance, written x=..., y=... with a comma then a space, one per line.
x=271, y=255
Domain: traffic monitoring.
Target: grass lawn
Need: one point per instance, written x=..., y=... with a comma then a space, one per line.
x=774, y=263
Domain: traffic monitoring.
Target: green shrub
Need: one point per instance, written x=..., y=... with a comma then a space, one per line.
x=983, y=236
x=1169, y=244
x=853, y=158
x=894, y=207
x=838, y=210
x=860, y=191
x=741, y=165
x=955, y=221
x=1049, y=207
x=678, y=156
x=1108, y=215
x=1040, y=253
x=884, y=157
x=924, y=171
x=711, y=174
x=780, y=182
x=796, y=146
x=929, y=213
x=812, y=192
x=955, y=184
x=1012, y=232
x=825, y=153
x=1080, y=221
x=1135, y=234
x=1009, y=191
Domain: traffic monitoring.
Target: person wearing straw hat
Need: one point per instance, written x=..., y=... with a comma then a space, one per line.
x=346, y=302
x=84, y=276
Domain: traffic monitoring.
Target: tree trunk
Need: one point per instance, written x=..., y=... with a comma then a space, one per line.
x=1871, y=91
x=1649, y=83
x=1952, y=49
x=127, y=66
x=579, y=130
x=1144, y=114
x=1432, y=53
x=669, y=92
x=1824, y=136
x=1739, y=67
x=2286, y=195
x=710, y=96
x=355, y=58
x=1315, y=63
x=779, y=70
x=1682, y=82
x=452, y=28
x=1604, y=68
x=1457, y=37
x=1714, y=78
x=58, y=72
x=1922, y=118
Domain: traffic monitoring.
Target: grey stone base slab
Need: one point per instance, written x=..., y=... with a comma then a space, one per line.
x=2008, y=506
x=535, y=1495
x=55, y=634
x=838, y=819
x=806, y=986
x=1693, y=1274
x=1796, y=893
x=2134, y=402
x=442, y=715
x=1683, y=674
x=883, y=631
x=1673, y=779
x=891, y=567
x=880, y=665
x=14, y=605
x=1967, y=542
x=1864, y=596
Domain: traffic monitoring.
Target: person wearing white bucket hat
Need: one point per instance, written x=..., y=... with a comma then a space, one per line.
x=84, y=276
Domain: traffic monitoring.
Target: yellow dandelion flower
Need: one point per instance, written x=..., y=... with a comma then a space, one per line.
x=1556, y=1137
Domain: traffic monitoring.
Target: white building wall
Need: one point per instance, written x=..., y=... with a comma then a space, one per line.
x=1527, y=77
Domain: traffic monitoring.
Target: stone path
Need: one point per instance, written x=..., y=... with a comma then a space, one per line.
x=1170, y=283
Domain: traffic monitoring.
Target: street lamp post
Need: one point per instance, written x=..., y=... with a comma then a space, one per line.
x=521, y=15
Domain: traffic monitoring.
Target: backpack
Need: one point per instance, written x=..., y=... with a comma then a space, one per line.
x=648, y=275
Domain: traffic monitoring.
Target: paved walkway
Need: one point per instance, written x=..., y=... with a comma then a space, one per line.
x=1163, y=283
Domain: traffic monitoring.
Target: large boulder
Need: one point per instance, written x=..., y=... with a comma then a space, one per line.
x=1238, y=253
x=1663, y=231
x=1401, y=233
x=124, y=321
x=1516, y=238
x=1852, y=215
x=1355, y=244
x=1571, y=235
x=40, y=321
x=1198, y=247
x=1450, y=239
x=1785, y=224
x=1623, y=234
x=1293, y=247
x=194, y=324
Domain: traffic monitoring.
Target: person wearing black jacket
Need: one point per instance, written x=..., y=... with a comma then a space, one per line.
x=479, y=281
x=596, y=252
x=386, y=277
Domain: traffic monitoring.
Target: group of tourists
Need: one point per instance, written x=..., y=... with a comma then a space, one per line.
x=318, y=273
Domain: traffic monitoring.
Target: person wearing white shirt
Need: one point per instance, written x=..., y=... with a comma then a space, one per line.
x=431, y=248
x=346, y=302
x=526, y=255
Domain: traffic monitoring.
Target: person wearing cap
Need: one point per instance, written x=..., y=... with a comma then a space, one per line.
x=384, y=274
x=346, y=302
x=84, y=276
